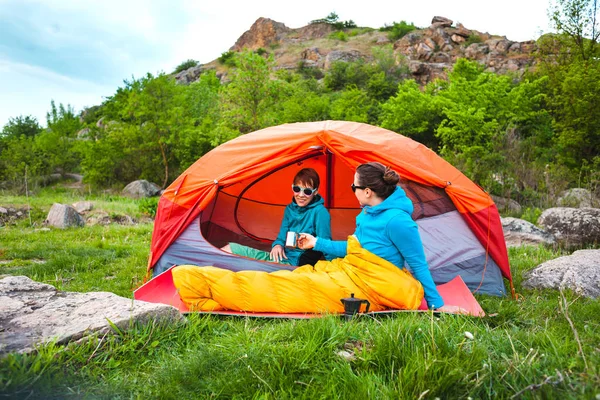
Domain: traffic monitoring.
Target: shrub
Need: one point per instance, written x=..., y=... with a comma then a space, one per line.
x=261, y=51
x=473, y=38
x=185, y=65
x=338, y=35
x=398, y=29
x=148, y=205
x=531, y=214
x=228, y=58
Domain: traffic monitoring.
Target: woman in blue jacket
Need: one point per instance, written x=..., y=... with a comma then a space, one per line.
x=306, y=213
x=384, y=227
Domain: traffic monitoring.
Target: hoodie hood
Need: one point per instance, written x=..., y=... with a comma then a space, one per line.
x=397, y=200
x=316, y=201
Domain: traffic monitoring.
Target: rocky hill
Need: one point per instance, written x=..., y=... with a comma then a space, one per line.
x=429, y=53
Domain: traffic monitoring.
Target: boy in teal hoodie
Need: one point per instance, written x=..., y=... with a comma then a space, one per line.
x=306, y=213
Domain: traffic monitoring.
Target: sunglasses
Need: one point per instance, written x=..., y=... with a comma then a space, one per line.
x=307, y=191
x=354, y=187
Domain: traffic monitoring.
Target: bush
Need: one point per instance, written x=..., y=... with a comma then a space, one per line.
x=398, y=29
x=473, y=38
x=148, y=205
x=185, y=65
x=228, y=58
x=531, y=214
x=338, y=35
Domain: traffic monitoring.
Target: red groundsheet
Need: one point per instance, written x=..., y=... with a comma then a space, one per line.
x=161, y=290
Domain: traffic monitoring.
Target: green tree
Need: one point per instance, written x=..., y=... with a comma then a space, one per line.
x=578, y=20
x=354, y=104
x=58, y=140
x=250, y=100
x=413, y=113
x=22, y=125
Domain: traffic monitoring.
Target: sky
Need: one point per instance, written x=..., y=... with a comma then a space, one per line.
x=79, y=52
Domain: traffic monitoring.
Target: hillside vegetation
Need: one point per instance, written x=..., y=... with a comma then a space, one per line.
x=527, y=137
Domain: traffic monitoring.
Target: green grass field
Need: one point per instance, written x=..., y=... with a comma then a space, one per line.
x=524, y=348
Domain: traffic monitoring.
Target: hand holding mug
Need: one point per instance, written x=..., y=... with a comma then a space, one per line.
x=306, y=241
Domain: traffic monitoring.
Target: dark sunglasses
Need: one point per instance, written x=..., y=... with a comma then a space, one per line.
x=354, y=187
x=307, y=191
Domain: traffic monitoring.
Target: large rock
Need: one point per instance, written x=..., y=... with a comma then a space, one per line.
x=572, y=226
x=342, y=55
x=518, y=232
x=580, y=272
x=578, y=198
x=141, y=188
x=64, y=216
x=83, y=206
x=34, y=313
x=263, y=33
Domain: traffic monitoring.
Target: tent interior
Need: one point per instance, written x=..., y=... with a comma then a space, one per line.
x=250, y=211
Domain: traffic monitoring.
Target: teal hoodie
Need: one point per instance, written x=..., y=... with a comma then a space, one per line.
x=312, y=218
x=388, y=231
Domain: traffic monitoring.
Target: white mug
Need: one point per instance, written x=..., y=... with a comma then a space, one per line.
x=291, y=239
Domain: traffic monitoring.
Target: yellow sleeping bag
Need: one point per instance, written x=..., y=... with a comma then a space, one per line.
x=306, y=289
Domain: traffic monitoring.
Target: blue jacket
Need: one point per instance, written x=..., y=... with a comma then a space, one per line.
x=312, y=218
x=388, y=231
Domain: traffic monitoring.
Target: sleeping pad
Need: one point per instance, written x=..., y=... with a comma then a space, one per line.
x=306, y=289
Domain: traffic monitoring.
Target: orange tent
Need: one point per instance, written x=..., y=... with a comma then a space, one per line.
x=238, y=191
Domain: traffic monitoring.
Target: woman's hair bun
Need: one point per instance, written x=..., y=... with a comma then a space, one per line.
x=390, y=176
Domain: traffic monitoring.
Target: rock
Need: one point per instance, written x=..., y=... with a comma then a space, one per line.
x=476, y=51
x=518, y=232
x=458, y=38
x=190, y=75
x=141, y=188
x=34, y=313
x=442, y=21
x=572, y=226
x=462, y=31
x=101, y=218
x=83, y=206
x=579, y=272
x=3, y=211
x=312, y=54
x=84, y=134
x=64, y=216
x=578, y=198
x=424, y=51
x=263, y=33
x=341, y=55
x=505, y=204
x=313, y=31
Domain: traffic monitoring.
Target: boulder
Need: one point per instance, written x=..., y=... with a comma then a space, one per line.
x=572, y=226
x=505, y=204
x=578, y=198
x=262, y=34
x=579, y=272
x=141, y=188
x=342, y=55
x=34, y=313
x=518, y=232
x=444, y=22
x=63, y=216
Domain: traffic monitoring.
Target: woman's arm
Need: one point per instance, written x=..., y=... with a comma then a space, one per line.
x=404, y=233
x=323, y=229
x=333, y=248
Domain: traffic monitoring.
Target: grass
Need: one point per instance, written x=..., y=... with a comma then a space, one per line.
x=524, y=347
